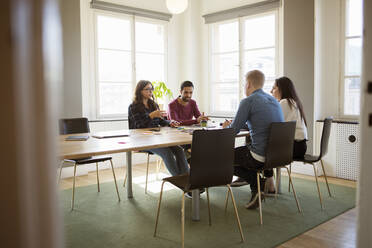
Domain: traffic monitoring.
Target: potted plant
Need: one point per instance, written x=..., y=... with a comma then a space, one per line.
x=161, y=92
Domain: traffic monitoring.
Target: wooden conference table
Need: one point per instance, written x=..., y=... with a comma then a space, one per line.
x=138, y=139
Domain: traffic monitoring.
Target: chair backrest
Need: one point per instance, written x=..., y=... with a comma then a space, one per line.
x=73, y=125
x=130, y=123
x=279, y=149
x=325, y=136
x=212, y=158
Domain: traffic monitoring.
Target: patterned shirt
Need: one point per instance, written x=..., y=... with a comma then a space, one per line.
x=138, y=117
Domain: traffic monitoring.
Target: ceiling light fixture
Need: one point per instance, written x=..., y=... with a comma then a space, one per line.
x=177, y=6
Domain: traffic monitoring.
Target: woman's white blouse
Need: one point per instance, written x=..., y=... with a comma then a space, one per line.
x=293, y=114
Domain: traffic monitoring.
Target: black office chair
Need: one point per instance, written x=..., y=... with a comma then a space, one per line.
x=212, y=159
x=159, y=162
x=279, y=153
x=81, y=125
x=312, y=159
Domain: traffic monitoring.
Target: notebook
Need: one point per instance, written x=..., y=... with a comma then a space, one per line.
x=77, y=137
x=111, y=134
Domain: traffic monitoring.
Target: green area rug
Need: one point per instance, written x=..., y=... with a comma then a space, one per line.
x=99, y=220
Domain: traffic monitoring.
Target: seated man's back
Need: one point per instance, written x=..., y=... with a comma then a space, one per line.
x=258, y=111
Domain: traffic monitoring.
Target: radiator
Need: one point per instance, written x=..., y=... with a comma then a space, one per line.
x=347, y=151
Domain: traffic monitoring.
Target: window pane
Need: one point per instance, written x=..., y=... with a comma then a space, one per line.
x=114, y=66
x=354, y=17
x=226, y=37
x=268, y=85
x=259, y=32
x=149, y=37
x=226, y=97
x=352, y=96
x=225, y=67
x=114, y=98
x=150, y=67
x=263, y=60
x=353, y=56
x=113, y=33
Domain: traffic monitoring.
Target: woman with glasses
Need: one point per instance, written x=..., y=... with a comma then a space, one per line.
x=144, y=112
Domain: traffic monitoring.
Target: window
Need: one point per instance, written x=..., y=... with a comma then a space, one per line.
x=127, y=49
x=238, y=46
x=352, y=57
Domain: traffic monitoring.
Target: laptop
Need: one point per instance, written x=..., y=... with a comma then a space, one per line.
x=111, y=134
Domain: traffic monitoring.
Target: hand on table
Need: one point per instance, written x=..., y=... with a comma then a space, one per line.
x=174, y=123
x=157, y=114
x=226, y=123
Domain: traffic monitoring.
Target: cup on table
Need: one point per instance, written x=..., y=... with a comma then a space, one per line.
x=203, y=123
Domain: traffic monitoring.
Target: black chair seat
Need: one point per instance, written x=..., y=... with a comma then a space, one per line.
x=308, y=159
x=180, y=181
x=151, y=153
x=89, y=160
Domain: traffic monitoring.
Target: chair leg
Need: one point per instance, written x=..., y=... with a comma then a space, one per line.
x=125, y=178
x=227, y=199
x=259, y=196
x=236, y=212
x=60, y=172
x=209, y=207
x=325, y=176
x=289, y=174
x=183, y=220
x=73, y=189
x=147, y=171
x=158, y=166
x=116, y=185
x=294, y=192
x=97, y=177
x=157, y=215
x=317, y=185
x=277, y=187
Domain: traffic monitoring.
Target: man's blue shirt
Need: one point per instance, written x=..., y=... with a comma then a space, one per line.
x=258, y=111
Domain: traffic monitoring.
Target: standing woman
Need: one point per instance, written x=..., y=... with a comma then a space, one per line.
x=145, y=113
x=285, y=92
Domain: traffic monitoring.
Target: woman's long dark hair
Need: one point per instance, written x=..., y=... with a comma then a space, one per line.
x=288, y=91
x=138, y=98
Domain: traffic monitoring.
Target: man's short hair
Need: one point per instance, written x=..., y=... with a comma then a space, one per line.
x=256, y=77
x=186, y=84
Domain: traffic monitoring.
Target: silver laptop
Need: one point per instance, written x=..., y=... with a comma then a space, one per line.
x=111, y=134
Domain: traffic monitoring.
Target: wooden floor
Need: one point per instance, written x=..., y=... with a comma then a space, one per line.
x=339, y=232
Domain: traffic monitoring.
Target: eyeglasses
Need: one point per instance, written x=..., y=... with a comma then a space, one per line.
x=149, y=89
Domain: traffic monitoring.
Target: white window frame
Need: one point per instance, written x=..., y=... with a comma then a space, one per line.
x=165, y=24
x=344, y=38
x=241, y=80
x=210, y=59
x=91, y=73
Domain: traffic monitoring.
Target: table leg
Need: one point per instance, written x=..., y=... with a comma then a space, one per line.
x=129, y=175
x=195, y=205
x=279, y=177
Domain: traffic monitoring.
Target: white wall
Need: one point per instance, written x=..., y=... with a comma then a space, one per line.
x=364, y=238
x=298, y=54
x=327, y=58
x=72, y=91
